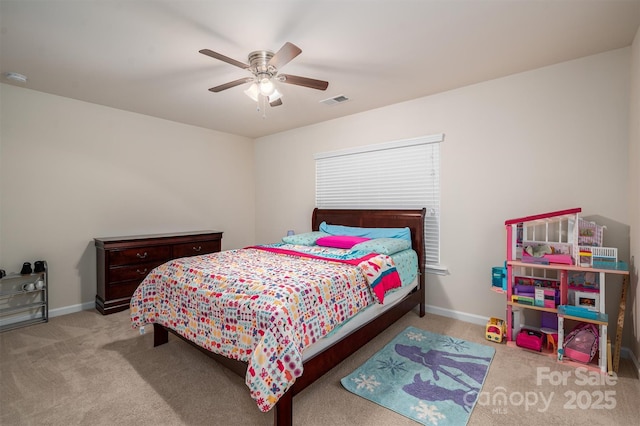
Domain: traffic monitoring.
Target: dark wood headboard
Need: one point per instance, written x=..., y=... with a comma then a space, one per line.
x=413, y=219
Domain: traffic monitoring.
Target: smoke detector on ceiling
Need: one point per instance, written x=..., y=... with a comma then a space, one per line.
x=335, y=100
x=15, y=77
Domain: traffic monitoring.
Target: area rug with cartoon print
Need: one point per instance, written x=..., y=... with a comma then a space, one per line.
x=430, y=378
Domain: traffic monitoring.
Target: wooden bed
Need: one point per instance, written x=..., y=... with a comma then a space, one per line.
x=325, y=360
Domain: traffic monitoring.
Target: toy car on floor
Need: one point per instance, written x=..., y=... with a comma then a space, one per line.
x=495, y=330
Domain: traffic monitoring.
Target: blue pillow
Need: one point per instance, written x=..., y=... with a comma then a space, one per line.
x=402, y=233
x=306, y=239
x=386, y=246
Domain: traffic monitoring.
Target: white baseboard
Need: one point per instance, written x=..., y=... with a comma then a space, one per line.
x=71, y=309
x=30, y=316
x=462, y=316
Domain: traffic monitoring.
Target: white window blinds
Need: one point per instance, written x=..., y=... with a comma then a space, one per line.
x=395, y=175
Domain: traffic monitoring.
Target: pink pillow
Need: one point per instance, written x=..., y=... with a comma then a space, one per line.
x=340, y=241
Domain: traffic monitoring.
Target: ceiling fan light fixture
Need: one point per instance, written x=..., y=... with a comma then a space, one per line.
x=253, y=92
x=275, y=96
x=266, y=87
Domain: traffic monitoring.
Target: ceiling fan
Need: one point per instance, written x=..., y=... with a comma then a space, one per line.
x=263, y=66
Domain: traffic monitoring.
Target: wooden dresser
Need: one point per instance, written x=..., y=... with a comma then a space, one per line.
x=123, y=262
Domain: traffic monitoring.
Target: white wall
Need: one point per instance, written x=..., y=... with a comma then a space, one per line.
x=71, y=171
x=632, y=327
x=535, y=142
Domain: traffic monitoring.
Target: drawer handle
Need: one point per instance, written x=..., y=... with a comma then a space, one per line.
x=197, y=248
x=144, y=272
x=142, y=256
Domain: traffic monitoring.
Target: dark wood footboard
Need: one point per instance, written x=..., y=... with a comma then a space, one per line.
x=316, y=367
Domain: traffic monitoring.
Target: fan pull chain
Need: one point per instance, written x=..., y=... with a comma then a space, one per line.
x=262, y=99
x=264, y=106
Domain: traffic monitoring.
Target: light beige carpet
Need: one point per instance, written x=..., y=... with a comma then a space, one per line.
x=89, y=369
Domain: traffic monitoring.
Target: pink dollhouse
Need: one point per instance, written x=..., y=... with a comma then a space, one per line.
x=543, y=251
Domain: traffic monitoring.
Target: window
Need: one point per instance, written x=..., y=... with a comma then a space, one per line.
x=396, y=175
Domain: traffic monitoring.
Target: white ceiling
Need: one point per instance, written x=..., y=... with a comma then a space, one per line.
x=142, y=56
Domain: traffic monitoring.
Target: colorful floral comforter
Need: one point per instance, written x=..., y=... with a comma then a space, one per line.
x=262, y=305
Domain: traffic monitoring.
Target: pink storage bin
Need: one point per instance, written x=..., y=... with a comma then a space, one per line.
x=530, y=339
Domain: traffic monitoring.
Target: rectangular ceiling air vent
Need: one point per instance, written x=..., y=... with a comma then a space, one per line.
x=335, y=100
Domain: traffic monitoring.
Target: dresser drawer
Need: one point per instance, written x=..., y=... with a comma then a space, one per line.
x=195, y=248
x=139, y=255
x=123, y=289
x=132, y=272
